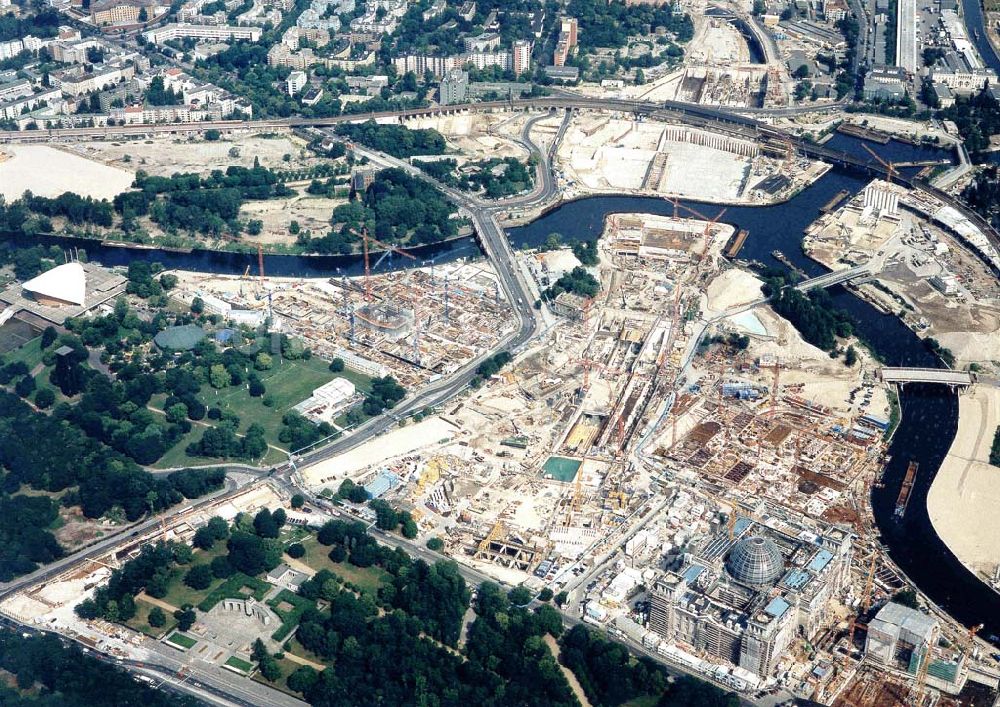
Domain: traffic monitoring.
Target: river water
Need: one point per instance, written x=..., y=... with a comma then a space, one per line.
x=929, y=412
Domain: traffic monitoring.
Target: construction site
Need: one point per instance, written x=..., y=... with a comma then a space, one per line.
x=935, y=280
x=600, y=153
x=652, y=432
x=414, y=324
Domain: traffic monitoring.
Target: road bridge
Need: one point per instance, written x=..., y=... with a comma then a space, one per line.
x=926, y=375
x=834, y=278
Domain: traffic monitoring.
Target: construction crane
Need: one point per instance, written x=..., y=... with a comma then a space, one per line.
x=925, y=664
x=260, y=263
x=866, y=597
x=496, y=532
x=577, y=498
x=365, y=238
x=889, y=166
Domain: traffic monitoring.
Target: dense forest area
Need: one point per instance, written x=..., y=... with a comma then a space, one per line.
x=814, y=315
x=396, y=140
x=494, y=178
x=396, y=208
x=977, y=118
x=604, y=24
x=577, y=281
x=51, y=674
x=610, y=675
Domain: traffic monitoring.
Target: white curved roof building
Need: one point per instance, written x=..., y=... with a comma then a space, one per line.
x=62, y=285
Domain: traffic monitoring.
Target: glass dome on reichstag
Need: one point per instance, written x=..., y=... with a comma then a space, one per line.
x=755, y=561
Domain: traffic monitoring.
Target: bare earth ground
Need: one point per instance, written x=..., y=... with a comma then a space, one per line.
x=164, y=157
x=47, y=171
x=964, y=500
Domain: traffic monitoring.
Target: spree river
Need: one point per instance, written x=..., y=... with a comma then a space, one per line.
x=929, y=412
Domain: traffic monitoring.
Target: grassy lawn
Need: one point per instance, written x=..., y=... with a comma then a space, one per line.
x=287, y=668
x=179, y=639
x=368, y=579
x=288, y=383
x=30, y=353
x=235, y=588
x=289, y=617
x=179, y=594
x=239, y=664
x=140, y=622
x=293, y=646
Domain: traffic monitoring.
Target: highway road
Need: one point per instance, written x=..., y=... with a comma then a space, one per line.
x=109, y=542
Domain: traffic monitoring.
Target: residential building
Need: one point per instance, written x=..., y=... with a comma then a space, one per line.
x=467, y=10
x=312, y=96
x=485, y=42
x=521, y=59
x=124, y=12
x=295, y=82
x=213, y=33
x=562, y=73
x=454, y=87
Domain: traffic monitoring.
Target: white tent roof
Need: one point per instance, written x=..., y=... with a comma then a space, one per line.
x=65, y=282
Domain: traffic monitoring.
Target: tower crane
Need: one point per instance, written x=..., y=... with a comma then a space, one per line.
x=889, y=166
x=365, y=238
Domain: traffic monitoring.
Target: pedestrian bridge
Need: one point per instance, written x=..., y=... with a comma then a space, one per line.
x=834, y=278
x=927, y=375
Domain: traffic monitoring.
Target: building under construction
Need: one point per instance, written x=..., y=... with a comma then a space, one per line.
x=743, y=595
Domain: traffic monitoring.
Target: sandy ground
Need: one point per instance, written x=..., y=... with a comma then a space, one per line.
x=312, y=213
x=616, y=155
x=719, y=43
x=732, y=288
x=964, y=500
x=400, y=441
x=46, y=171
x=824, y=380
x=477, y=136
x=164, y=156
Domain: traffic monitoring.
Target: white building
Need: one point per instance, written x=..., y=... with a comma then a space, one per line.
x=296, y=81
x=327, y=401
x=215, y=33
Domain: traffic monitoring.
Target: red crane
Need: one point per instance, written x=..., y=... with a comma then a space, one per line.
x=368, y=270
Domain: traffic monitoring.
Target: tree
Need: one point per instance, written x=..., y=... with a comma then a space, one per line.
x=265, y=525
x=640, y=77
x=185, y=618
x=336, y=365
x=436, y=544
x=49, y=336
x=44, y=398
x=545, y=595
x=561, y=599
x=219, y=377
x=851, y=357
x=156, y=617
x=212, y=135
x=221, y=567
x=256, y=388
x=519, y=595
x=262, y=362
x=197, y=305
x=298, y=500
x=302, y=679
x=906, y=597
x=199, y=577
x=296, y=550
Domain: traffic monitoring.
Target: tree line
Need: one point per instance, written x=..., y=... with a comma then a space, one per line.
x=49, y=673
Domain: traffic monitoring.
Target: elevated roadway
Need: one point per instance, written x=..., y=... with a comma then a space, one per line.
x=926, y=375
